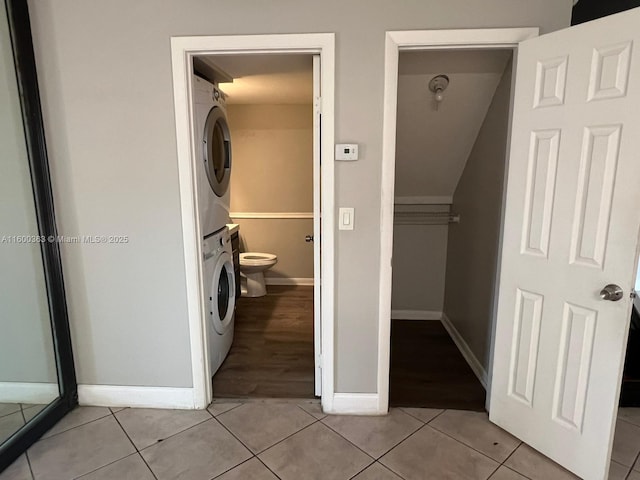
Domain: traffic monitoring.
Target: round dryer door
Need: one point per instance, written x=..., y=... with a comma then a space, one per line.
x=217, y=151
x=223, y=294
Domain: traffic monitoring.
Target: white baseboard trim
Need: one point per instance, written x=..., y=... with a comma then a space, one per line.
x=355, y=404
x=142, y=397
x=466, y=352
x=416, y=315
x=31, y=392
x=288, y=281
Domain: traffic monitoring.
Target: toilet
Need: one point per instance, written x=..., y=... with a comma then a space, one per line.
x=252, y=267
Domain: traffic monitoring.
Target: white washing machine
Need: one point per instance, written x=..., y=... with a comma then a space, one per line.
x=213, y=155
x=220, y=295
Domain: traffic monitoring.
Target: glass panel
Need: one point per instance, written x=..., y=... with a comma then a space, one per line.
x=218, y=152
x=223, y=293
x=28, y=377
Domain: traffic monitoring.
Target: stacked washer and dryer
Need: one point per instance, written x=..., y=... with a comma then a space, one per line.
x=213, y=172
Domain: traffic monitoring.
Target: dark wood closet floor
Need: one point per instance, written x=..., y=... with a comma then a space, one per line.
x=272, y=351
x=428, y=370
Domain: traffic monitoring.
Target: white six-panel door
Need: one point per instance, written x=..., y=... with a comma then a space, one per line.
x=571, y=227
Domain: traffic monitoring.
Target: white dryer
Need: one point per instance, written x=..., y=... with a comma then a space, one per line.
x=213, y=155
x=220, y=295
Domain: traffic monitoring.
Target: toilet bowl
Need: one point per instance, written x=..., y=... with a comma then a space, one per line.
x=252, y=267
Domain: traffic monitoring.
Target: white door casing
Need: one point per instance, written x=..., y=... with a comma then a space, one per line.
x=396, y=41
x=183, y=49
x=317, y=226
x=571, y=226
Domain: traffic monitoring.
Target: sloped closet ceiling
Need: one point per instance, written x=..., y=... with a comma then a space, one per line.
x=433, y=145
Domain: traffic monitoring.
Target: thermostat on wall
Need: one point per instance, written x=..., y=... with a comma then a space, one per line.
x=347, y=151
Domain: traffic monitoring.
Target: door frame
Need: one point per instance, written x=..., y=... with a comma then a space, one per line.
x=396, y=41
x=183, y=49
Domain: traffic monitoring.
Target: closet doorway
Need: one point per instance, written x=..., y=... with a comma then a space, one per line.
x=451, y=139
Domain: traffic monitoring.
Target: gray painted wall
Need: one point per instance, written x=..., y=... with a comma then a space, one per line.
x=273, y=172
x=432, y=148
x=272, y=168
x=26, y=346
x=284, y=238
x=419, y=265
x=473, y=243
x=106, y=83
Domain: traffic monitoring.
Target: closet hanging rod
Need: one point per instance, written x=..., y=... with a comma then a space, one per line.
x=425, y=218
x=422, y=204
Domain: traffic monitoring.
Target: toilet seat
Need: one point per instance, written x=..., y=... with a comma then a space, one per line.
x=252, y=268
x=256, y=259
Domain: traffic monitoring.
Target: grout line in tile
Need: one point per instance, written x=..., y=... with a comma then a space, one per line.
x=267, y=467
x=396, y=473
x=170, y=436
x=390, y=469
x=468, y=446
x=632, y=464
x=320, y=419
x=344, y=438
x=214, y=416
x=510, y=455
x=397, y=445
x=134, y=445
x=471, y=447
x=125, y=432
x=44, y=439
x=420, y=420
x=24, y=419
x=511, y=470
x=231, y=468
x=26, y=454
x=441, y=413
x=153, y=474
x=360, y=471
x=494, y=471
x=236, y=437
x=627, y=421
x=383, y=454
x=105, y=465
x=7, y=414
x=288, y=436
x=279, y=441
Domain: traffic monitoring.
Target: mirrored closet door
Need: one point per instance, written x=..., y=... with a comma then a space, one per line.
x=37, y=379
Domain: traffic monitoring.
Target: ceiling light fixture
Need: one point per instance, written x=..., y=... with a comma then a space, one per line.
x=438, y=85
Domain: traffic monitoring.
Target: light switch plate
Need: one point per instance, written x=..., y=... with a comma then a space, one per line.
x=347, y=151
x=345, y=218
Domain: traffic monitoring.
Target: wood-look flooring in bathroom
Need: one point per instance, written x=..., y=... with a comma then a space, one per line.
x=428, y=370
x=272, y=351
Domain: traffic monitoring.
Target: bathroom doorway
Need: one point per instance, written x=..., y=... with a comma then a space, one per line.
x=272, y=114
x=184, y=49
x=453, y=111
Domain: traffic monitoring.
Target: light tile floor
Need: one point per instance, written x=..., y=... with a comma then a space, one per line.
x=14, y=415
x=266, y=440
